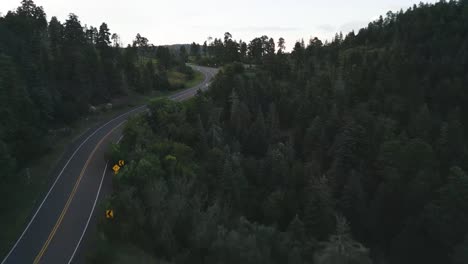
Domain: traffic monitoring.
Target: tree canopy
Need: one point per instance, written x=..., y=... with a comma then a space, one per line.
x=349, y=151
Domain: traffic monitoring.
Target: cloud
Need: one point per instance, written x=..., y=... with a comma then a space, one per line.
x=353, y=25
x=326, y=27
x=266, y=28
x=248, y=28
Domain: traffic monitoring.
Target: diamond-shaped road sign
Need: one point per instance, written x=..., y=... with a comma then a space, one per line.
x=116, y=168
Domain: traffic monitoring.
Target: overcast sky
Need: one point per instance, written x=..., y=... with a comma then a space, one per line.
x=177, y=21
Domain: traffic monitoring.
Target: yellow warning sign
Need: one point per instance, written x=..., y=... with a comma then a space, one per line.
x=109, y=214
x=121, y=163
x=116, y=168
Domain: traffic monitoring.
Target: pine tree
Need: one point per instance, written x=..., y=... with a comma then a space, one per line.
x=257, y=139
x=202, y=138
x=421, y=124
x=460, y=252
x=353, y=203
x=318, y=211
x=341, y=248
x=296, y=231
x=448, y=215
x=103, y=37
x=183, y=54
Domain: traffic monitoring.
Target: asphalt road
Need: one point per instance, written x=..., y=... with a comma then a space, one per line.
x=57, y=231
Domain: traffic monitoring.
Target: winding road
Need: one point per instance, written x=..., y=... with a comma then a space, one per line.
x=57, y=231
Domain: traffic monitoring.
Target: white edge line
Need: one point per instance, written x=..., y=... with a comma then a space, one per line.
x=58, y=177
x=92, y=210
x=91, y=214
x=182, y=93
x=60, y=174
x=94, y=205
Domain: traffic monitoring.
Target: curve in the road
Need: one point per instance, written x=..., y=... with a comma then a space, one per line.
x=57, y=179
x=72, y=195
x=59, y=224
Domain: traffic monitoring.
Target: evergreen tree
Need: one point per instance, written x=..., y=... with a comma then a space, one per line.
x=341, y=248
x=319, y=212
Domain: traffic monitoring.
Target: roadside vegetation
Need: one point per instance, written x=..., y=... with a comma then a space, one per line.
x=352, y=151
x=184, y=78
x=58, y=79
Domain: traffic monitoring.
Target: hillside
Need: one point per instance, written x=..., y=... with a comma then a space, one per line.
x=58, y=79
x=353, y=151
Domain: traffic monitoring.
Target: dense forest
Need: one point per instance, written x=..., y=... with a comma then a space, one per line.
x=353, y=151
x=52, y=73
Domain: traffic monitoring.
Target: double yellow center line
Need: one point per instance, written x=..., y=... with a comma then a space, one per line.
x=70, y=198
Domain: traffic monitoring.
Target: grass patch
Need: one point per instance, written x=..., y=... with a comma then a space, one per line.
x=180, y=80
x=144, y=60
x=198, y=77
x=176, y=78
